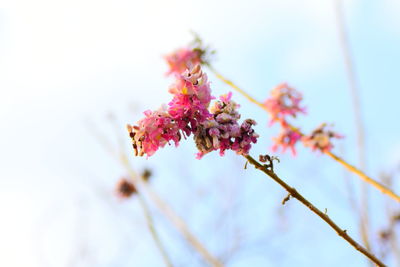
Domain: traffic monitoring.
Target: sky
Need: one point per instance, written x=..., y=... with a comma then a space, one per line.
x=66, y=72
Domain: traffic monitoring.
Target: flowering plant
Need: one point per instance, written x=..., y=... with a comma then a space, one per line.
x=215, y=126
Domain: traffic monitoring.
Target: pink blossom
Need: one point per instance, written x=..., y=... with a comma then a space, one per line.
x=192, y=96
x=183, y=59
x=223, y=132
x=188, y=113
x=284, y=101
x=156, y=130
x=287, y=138
x=320, y=138
x=226, y=97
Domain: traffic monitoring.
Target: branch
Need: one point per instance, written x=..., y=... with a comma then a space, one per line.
x=364, y=177
x=153, y=231
x=350, y=167
x=355, y=96
x=293, y=192
x=162, y=206
x=168, y=212
x=149, y=219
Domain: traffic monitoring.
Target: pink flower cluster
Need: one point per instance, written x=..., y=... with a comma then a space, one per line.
x=183, y=59
x=222, y=131
x=192, y=97
x=320, y=138
x=156, y=130
x=188, y=113
x=195, y=53
x=284, y=101
x=287, y=138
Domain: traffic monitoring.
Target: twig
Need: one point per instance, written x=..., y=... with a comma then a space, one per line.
x=162, y=206
x=168, y=212
x=350, y=167
x=153, y=231
x=355, y=96
x=234, y=86
x=365, y=177
x=295, y=194
x=149, y=219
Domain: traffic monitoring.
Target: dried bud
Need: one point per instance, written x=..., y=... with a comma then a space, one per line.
x=320, y=138
x=385, y=235
x=125, y=188
x=264, y=158
x=146, y=174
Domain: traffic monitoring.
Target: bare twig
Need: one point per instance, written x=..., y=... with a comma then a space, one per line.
x=169, y=213
x=295, y=194
x=355, y=96
x=361, y=174
x=364, y=177
x=162, y=206
x=153, y=231
x=146, y=211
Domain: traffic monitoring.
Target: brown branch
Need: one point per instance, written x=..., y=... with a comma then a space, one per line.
x=295, y=194
x=350, y=167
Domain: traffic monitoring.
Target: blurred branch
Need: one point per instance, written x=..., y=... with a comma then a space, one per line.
x=355, y=96
x=394, y=218
x=348, y=166
x=168, y=212
x=171, y=215
x=146, y=211
x=153, y=231
x=268, y=170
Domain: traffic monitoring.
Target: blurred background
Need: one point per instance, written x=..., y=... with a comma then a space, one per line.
x=70, y=80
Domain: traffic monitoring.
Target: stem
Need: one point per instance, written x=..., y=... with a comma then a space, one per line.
x=237, y=88
x=153, y=231
x=364, y=177
x=168, y=212
x=350, y=167
x=162, y=206
x=355, y=96
x=294, y=193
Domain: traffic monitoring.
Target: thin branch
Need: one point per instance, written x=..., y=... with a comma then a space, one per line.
x=267, y=169
x=153, y=231
x=234, y=86
x=353, y=83
x=364, y=177
x=168, y=212
x=146, y=211
x=355, y=96
x=361, y=174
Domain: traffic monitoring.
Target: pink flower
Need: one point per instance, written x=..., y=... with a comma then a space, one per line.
x=287, y=138
x=183, y=59
x=188, y=113
x=226, y=97
x=223, y=131
x=156, y=130
x=320, y=139
x=284, y=101
x=192, y=96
